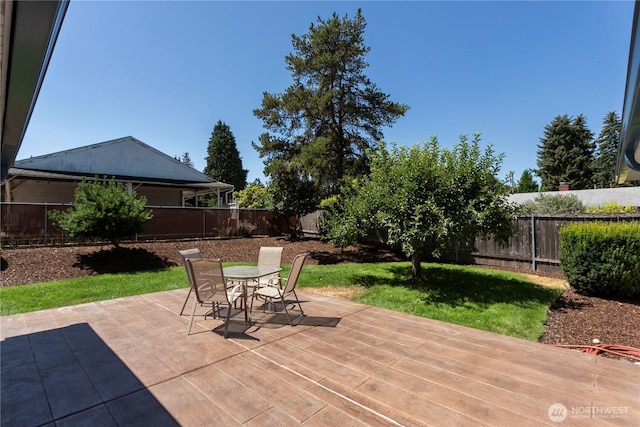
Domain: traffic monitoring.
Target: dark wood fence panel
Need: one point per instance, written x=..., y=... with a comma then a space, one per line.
x=180, y=223
x=536, y=251
x=26, y=224
x=526, y=250
x=309, y=223
x=534, y=246
x=261, y=222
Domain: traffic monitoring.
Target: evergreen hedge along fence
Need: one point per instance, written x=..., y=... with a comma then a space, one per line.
x=602, y=258
x=535, y=245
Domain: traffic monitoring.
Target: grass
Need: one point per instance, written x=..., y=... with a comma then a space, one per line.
x=492, y=300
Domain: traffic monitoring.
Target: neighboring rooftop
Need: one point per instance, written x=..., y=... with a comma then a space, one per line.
x=123, y=157
x=624, y=196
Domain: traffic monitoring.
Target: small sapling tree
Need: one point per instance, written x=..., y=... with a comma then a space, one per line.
x=103, y=209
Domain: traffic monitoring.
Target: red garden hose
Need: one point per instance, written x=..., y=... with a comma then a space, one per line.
x=624, y=351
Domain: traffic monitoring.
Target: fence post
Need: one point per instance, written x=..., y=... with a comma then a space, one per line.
x=457, y=248
x=46, y=215
x=533, y=242
x=204, y=223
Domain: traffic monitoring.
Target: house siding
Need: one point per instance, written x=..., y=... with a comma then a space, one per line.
x=41, y=191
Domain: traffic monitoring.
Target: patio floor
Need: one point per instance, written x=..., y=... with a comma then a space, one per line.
x=129, y=362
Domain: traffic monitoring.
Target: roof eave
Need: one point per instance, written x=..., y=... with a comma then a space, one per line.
x=56, y=176
x=28, y=36
x=628, y=157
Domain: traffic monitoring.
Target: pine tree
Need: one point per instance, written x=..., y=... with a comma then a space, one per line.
x=224, y=163
x=186, y=159
x=526, y=184
x=604, y=165
x=103, y=209
x=332, y=113
x=565, y=154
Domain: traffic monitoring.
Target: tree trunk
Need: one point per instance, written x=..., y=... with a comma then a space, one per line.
x=416, y=268
x=293, y=229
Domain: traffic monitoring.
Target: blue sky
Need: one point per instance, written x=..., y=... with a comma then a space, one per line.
x=166, y=72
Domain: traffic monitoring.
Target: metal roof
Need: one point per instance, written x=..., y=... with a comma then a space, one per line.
x=123, y=157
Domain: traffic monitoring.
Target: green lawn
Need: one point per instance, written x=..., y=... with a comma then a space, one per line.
x=492, y=300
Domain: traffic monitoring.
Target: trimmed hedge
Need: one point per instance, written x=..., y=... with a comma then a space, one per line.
x=602, y=258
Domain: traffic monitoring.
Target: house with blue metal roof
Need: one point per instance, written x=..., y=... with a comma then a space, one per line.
x=163, y=180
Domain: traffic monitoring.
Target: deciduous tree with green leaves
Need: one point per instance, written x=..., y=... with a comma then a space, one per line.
x=332, y=115
x=427, y=198
x=565, y=154
x=103, y=209
x=604, y=164
x=255, y=196
x=292, y=195
x=223, y=159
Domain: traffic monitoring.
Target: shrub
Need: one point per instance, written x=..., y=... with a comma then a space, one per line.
x=611, y=208
x=103, y=210
x=552, y=204
x=601, y=258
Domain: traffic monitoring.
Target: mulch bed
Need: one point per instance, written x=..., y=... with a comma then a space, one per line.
x=573, y=319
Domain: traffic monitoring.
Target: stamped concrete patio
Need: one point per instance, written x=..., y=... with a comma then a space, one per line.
x=129, y=362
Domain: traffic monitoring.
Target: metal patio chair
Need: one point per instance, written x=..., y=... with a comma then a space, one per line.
x=280, y=289
x=210, y=286
x=191, y=254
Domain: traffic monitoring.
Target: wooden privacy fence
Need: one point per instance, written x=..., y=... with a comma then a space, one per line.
x=535, y=245
x=29, y=224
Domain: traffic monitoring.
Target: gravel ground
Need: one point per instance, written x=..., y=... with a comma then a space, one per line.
x=573, y=319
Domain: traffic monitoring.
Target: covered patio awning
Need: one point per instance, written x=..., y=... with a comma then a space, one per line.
x=628, y=167
x=28, y=33
x=188, y=189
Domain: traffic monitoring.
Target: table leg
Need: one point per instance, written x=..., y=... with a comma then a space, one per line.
x=247, y=314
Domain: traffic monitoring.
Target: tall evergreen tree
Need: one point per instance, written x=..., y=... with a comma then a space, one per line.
x=291, y=194
x=565, y=154
x=526, y=184
x=224, y=163
x=332, y=113
x=604, y=164
x=186, y=159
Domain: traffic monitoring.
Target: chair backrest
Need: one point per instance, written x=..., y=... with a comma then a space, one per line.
x=294, y=273
x=190, y=254
x=208, y=279
x=270, y=256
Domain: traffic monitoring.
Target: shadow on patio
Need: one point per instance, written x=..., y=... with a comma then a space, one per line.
x=129, y=359
x=70, y=376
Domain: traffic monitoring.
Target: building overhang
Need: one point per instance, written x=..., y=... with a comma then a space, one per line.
x=28, y=33
x=628, y=157
x=187, y=186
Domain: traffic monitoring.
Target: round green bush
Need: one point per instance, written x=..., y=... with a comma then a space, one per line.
x=602, y=258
